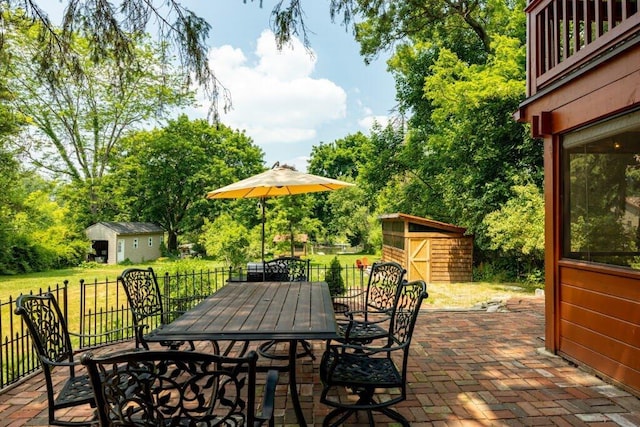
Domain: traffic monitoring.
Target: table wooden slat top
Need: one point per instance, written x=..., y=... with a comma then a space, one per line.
x=257, y=311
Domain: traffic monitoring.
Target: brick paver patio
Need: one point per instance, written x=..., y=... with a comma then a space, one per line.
x=468, y=368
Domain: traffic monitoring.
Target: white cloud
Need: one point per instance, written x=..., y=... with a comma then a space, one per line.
x=276, y=99
x=368, y=121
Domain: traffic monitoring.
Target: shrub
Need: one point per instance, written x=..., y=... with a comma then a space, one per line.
x=334, y=278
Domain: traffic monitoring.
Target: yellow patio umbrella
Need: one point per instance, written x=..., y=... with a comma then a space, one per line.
x=277, y=181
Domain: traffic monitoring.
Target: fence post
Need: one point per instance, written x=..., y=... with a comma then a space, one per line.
x=66, y=299
x=167, y=291
x=83, y=301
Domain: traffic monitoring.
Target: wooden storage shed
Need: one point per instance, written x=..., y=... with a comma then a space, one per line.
x=583, y=101
x=430, y=250
x=115, y=242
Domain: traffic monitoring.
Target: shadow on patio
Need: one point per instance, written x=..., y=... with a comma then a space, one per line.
x=471, y=368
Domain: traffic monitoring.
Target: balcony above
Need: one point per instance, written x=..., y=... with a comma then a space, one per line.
x=564, y=36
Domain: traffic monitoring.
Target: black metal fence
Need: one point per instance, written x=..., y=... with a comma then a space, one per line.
x=100, y=308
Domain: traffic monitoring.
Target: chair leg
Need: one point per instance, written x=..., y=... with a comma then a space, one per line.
x=394, y=415
x=307, y=349
x=342, y=414
x=365, y=403
x=244, y=346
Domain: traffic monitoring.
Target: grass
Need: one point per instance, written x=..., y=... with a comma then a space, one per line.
x=454, y=295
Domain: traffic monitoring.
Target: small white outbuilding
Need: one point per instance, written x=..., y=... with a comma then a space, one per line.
x=115, y=242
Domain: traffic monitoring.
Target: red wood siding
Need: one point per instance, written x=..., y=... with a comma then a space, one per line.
x=599, y=321
x=583, y=66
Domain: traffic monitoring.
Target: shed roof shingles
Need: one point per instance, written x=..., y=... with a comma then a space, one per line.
x=132, y=227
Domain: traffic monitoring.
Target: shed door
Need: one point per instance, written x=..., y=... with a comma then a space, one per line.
x=120, y=255
x=419, y=260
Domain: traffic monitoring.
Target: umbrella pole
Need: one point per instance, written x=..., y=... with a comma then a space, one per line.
x=262, y=200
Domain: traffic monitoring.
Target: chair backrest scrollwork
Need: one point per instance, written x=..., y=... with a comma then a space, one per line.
x=384, y=280
x=47, y=326
x=153, y=388
x=290, y=269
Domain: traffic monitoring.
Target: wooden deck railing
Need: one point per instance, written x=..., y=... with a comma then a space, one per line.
x=564, y=35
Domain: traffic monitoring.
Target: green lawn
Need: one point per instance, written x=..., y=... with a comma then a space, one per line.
x=24, y=283
x=440, y=295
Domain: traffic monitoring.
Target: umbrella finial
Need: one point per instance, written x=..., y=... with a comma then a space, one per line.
x=275, y=165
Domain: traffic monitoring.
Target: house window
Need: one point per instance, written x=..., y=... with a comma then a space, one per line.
x=601, y=192
x=150, y=242
x=135, y=243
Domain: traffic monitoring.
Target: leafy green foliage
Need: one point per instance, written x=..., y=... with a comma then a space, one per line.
x=112, y=36
x=227, y=240
x=339, y=159
x=349, y=216
x=517, y=228
x=289, y=216
x=39, y=234
x=75, y=127
x=163, y=175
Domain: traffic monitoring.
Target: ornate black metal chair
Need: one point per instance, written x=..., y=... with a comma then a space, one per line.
x=371, y=322
x=52, y=342
x=370, y=372
x=179, y=388
x=285, y=269
x=145, y=301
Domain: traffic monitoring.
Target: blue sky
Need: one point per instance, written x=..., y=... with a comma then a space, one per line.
x=289, y=101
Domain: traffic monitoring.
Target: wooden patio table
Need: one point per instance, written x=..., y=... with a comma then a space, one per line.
x=257, y=311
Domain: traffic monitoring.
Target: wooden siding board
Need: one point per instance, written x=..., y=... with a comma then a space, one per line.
x=608, y=305
x=601, y=344
x=450, y=257
x=601, y=282
x=611, y=327
x=591, y=314
x=630, y=378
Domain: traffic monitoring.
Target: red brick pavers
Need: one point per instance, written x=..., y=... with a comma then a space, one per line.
x=467, y=368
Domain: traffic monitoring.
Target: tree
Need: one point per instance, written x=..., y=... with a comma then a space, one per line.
x=516, y=230
x=74, y=129
x=348, y=215
x=290, y=216
x=10, y=201
x=163, y=175
x=466, y=27
x=477, y=152
x=112, y=35
x=226, y=239
x=340, y=158
x=381, y=159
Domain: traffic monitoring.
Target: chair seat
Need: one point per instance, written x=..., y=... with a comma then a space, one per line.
x=361, y=331
x=358, y=371
x=77, y=390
